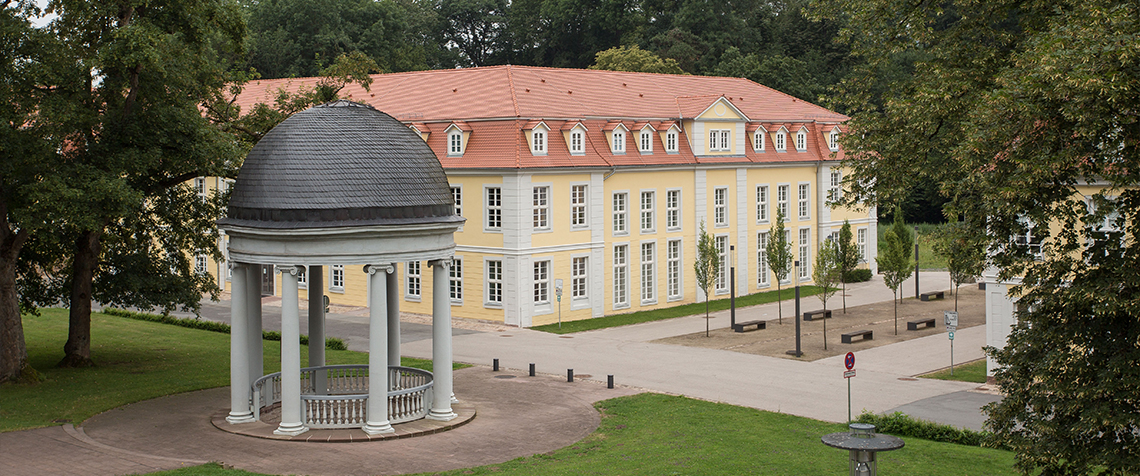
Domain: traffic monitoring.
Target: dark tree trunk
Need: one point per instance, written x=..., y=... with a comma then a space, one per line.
x=77, y=350
x=779, y=303
x=13, y=349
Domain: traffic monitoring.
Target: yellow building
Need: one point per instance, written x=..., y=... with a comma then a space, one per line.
x=599, y=181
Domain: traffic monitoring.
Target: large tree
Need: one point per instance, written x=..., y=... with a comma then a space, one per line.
x=127, y=105
x=1025, y=113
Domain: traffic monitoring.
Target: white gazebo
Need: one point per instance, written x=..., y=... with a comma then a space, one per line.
x=339, y=184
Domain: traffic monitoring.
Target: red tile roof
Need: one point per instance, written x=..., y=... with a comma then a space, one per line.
x=497, y=103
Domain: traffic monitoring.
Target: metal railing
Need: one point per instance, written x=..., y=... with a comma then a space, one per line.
x=336, y=396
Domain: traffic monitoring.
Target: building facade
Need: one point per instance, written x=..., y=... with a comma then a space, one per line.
x=584, y=191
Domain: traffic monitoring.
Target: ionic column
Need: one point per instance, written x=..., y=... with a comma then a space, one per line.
x=253, y=313
x=240, y=411
x=441, y=341
x=291, y=411
x=393, y=318
x=377, y=419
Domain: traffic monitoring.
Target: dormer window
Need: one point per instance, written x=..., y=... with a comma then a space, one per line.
x=574, y=133
x=538, y=137
x=645, y=143
x=801, y=140
x=618, y=141
x=455, y=143
x=833, y=140
x=719, y=140
x=781, y=140
x=758, y=140
x=576, y=146
x=671, y=142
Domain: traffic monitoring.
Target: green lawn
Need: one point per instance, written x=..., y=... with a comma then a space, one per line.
x=135, y=360
x=655, y=434
x=968, y=372
x=617, y=320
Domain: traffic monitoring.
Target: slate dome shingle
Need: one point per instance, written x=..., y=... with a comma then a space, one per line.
x=336, y=165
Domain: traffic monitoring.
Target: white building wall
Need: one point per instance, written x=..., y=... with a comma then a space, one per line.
x=597, y=245
x=700, y=213
x=743, y=212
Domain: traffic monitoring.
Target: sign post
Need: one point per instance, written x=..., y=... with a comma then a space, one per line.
x=849, y=362
x=951, y=319
x=558, y=294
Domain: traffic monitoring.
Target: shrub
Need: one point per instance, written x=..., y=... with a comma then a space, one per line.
x=331, y=343
x=901, y=424
x=857, y=276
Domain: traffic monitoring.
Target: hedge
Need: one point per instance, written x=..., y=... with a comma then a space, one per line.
x=857, y=276
x=331, y=343
x=901, y=424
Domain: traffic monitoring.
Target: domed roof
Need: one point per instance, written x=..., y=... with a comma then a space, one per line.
x=340, y=164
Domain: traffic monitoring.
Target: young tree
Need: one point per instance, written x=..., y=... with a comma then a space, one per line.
x=707, y=267
x=848, y=257
x=779, y=258
x=1015, y=132
x=827, y=274
x=894, y=262
x=964, y=254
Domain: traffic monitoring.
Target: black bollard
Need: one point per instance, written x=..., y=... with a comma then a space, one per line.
x=532, y=370
x=495, y=366
x=610, y=381
x=569, y=375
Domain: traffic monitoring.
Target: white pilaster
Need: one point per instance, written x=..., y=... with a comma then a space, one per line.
x=291, y=411
x=743, y=212
x=441, y=342
x=700, y=214
x=393, y=282
x=253, y=317
x=377, y=418
x=240, y=411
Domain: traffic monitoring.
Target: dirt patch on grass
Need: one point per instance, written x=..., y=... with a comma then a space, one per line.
x=879, y=318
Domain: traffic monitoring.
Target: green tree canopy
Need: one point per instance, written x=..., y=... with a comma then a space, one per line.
x=632, y=58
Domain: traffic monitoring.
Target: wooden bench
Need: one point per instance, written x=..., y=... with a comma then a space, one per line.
x=867, y=335
x=930, y=296
x=739, y=326
x=813, y=315
x=913, y=325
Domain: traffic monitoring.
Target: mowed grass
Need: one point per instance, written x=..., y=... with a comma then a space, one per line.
x=969, y=372
x=653, y=434
x=135, y=361
x=638, y=317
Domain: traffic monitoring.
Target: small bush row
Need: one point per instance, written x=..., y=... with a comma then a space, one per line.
x=857, y=276
x=331, y=343
x=901, y=424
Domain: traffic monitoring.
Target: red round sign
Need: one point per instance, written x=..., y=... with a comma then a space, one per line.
x=849, y=361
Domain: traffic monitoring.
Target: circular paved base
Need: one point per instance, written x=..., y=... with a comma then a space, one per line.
x=421, y=427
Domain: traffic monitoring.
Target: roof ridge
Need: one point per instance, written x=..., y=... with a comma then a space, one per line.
x=511, y=87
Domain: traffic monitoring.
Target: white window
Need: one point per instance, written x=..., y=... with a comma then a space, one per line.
x=538, y=142
x=805, y=253
x=200, y=264
x=673, y=209
x=303, y=278
x=540, y=207
x=576, y=145
x=833, y=140
x=621, y=276
x=836, y=191
x=621, y=209
x=720, y=206
x=494, y=282
x=804, y=201
x=457, y=197
x=781, y=141
x=336, y=277
x=671, y=141
x=762, y=203
x=226, y=185
x=673, y=269
x=647, y=212
x=801, y=140
x=455, y=143
x=758, y=140
x=718, y=140
x=542, y=282
x=494, y=210
x=861, y=242
x=762, y=271
x=200, y=187
x=578, y=206
x=722, y=272
x=618, y=142
x=648, y=273
x=578, y=279
x=412, y=280
x=455, y=280
x=646, y=142
x=782, y=199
